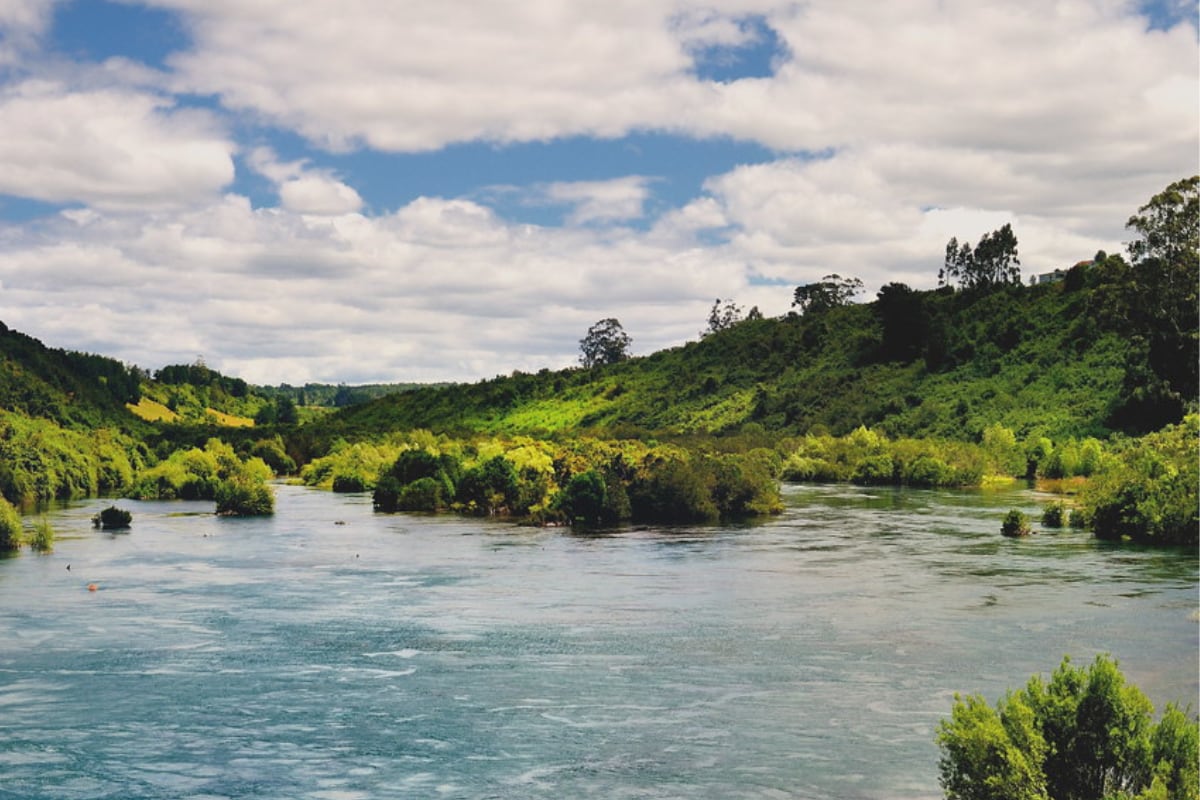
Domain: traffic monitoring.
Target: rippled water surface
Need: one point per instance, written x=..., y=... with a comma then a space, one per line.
x=333, y=653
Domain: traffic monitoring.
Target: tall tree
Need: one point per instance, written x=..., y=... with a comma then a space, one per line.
x=992, y=262
x=1163, y=291
x=722, y=317
x=605, y=343
x=829, y=292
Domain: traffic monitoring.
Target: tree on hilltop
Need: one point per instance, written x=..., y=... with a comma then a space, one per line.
x=992, y=262
x=605, y=343
x=829, y=292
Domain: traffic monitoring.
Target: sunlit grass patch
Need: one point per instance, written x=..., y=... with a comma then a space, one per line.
x=152, y=411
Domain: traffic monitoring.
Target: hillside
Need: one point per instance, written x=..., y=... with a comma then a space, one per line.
x=1057, y=360
x=72, y=389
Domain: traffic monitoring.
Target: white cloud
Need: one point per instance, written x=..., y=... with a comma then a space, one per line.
x=305, y=190
x=930, y=120
x=108, y=147
x=615, y=200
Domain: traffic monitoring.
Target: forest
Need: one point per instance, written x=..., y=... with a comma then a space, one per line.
x=1087, y=382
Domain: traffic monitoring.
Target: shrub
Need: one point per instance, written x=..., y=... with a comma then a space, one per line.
x=423, y=494
x=244, y=496
x=1084, y=735
x=490, y=488
x=42, y=538
x=349, y=483
x=10, y=526
x=1015, y=524
x=1054, y=515
x=671, y=490
x=112, y=519
x=928, y=472
x=877, y=470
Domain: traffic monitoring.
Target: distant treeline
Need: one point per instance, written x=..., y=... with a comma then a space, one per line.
x=339, y=395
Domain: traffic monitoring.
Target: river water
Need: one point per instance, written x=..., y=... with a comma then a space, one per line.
x=336, y=654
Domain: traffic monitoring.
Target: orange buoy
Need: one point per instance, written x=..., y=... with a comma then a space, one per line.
x=92, y=587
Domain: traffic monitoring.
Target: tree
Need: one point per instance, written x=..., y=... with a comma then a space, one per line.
x=606, y=343
x=992, y=262
x=723, y=317
x=1162, y=293
x=829, y=292
x=905, y=323
x=1084, y=735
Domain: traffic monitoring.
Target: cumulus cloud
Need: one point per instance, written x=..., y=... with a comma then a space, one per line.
x=615, y=200
x=896, y=126
x=108, y=147
x=305, y=190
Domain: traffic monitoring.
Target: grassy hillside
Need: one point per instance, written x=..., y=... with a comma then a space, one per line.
x=1048, y=360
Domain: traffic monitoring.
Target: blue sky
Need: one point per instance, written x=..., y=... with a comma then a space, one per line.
x=428, y=191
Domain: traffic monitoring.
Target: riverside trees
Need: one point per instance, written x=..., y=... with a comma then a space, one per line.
x=1083, y=735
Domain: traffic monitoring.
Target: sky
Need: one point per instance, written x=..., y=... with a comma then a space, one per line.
x=449, y=190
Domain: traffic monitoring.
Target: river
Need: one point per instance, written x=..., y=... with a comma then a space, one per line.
x=330, y=653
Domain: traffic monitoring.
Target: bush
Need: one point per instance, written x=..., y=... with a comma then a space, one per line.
x=1084, y=735
x=10, y=526
x=671, y=490
x=42, y=538
x=1015, y=524
x=244, y=496
x=1149, y=492
x=423, y=494
x=112, y=519
x=1054, y=515
x=490, y=488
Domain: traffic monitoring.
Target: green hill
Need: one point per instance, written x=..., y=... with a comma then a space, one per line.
x=1052, y=360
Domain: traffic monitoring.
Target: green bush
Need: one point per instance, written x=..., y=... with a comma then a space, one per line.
x=1149, y=491
x=1015, y=524
x=1083, y=735
x=671, y=490
x=10, y=526
x=490, y=488
x=42, y=538
x=423, y=494
x=112, y=518
x=244, y=496
x=1054, y=515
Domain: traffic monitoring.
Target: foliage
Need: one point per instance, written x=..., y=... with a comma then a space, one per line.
x=1084, y=735
x=112, y=518
x=829, y=292
x=244, y=495
x=1148, y=491
x=605, y=343
x=1162, y=293
x=722, y=317
x=992, y=262
x=214, y=472
x=1015, y=524
x=1054, y=515
x=10, y=526
x=42, y=537
x=41, y=460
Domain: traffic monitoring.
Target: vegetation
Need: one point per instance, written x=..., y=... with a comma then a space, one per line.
x=214, y=472
x=605, y=343
x=42, y=537
x=1083, y=735
x=993, y=262
x=112, y=518
x=1148, y=492
x=1015, y=524
x=983, y=379
x=10, y=527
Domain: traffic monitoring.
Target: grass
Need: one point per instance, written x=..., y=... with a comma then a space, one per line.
x=152, y=411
